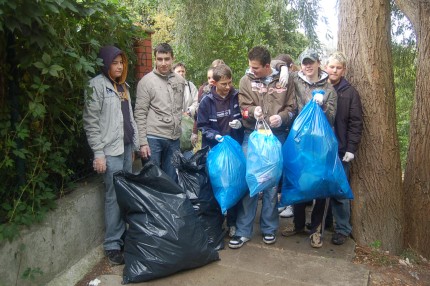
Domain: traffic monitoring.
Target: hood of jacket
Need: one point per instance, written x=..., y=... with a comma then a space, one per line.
x=322, y=78
x=268, y=79
x=108, y=54
x=342, y=85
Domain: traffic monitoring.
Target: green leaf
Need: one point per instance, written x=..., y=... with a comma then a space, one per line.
x=23, y=133
x=19, y=154
x=46, y=58
x=39, y=65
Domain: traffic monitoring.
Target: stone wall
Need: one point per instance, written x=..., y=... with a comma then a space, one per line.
x=67, y=234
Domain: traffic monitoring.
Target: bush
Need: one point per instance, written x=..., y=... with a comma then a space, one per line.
x=48, y=53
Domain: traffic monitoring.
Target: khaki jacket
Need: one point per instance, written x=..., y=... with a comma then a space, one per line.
x=159, y=103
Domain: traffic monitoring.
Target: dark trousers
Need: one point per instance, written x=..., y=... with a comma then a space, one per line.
x=316, y=216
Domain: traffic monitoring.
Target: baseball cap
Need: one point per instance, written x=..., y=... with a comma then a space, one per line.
x=309, y=54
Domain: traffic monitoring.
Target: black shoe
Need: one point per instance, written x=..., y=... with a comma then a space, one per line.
x=338, y=238
x=115, y=256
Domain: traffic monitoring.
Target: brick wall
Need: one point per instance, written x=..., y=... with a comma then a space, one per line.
x=143, y=50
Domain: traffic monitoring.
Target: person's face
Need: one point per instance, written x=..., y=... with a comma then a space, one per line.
x=116, y=67
x=258, y=69
x=163, y=62
x=310, y=68
x=180, y=71
x=210, y=77
x=223, y=86
x=335, y=70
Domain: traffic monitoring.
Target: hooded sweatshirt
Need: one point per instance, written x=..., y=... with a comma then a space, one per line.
x=108, y=54
x=108, y=118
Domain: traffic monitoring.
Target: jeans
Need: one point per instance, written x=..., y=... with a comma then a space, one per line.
x=341, y=209
x=162, y=151
x=247, y=206
x=114, y=222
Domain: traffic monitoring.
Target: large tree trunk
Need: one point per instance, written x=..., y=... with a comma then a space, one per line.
x=417, y=173
x=364, y=36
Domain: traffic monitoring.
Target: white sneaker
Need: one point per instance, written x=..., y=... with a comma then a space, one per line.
x=280, y=209
x=288, y=212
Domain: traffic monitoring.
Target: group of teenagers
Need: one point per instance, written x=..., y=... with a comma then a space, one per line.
x=271, y=90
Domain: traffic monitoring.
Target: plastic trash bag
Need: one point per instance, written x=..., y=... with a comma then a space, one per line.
x=187, y=124
x=164, y=235
x=194, y=180
x=263, y=160
x=312, y=168
x=227, y=169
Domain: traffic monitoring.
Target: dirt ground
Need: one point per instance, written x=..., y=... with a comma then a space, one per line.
x=409, y=269
x=385, y=269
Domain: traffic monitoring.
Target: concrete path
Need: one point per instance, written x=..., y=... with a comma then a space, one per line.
x=290, y=261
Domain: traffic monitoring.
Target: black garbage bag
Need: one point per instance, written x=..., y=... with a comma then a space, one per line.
x=194, y=180
x=164, y=234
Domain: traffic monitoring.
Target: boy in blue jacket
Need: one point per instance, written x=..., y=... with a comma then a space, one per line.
x=219, y=115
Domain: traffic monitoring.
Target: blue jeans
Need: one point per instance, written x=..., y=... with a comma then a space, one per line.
x=114, y=223
x=247, y=206
x=342, y=210
x=162, y=151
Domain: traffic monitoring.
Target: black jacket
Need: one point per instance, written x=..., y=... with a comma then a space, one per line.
x=207, y=119
x=348, y=123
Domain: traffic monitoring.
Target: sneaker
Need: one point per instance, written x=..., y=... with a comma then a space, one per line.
x=269, y=238
x=231, y=231
x=316, y=241
x=287, y=212
x=280, y=209
x=115, y=256
x=290, y=230
x=237, y=241
x=338, y=238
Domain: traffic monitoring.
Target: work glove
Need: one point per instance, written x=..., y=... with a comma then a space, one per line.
x=283, y=76
x=318, y=97
x=258, y=113
x=219, y=138
x=275, y=121
x=193, y=139
x=348, y=157
x=235, y=124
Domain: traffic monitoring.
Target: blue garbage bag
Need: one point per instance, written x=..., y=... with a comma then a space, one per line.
x=227, y=169
x=312, y=168
x=263, y=160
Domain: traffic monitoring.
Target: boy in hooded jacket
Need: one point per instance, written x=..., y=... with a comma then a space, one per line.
x=112, y=135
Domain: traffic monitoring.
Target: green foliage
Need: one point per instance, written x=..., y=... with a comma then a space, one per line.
x=48, y=52
x=228, y=30
x=404, y=53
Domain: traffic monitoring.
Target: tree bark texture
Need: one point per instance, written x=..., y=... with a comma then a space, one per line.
x=417, y=174
x=364, y=37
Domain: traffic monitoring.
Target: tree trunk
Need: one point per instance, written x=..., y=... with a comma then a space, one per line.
x=417, y=173
x=364, y=37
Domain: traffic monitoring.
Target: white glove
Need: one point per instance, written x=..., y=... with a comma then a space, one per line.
x=219, y=138
x=283, y=76
x=275, y=121
x=348, y=157
x=235, y=124
x=258, y=113
x=318, y=97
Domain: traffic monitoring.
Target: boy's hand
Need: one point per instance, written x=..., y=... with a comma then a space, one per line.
x=275, y=121
x=283, y=76
x=258, y=113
